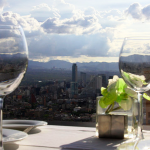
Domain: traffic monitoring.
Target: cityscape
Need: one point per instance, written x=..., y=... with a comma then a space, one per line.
x=57, y=100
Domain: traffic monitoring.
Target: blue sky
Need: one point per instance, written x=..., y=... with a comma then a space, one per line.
x=77, y=30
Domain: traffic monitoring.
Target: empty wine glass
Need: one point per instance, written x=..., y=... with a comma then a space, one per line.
x=13, y=62
x=134, y=66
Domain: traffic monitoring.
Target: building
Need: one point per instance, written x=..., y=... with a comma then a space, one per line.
x=104, y=80
x=93, y=87
x=82, y=79
x=74, y=89
x=74, y=84
x=74, y=73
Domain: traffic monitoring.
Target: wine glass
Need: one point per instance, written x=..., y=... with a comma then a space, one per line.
x=134, y=66
x=13, y=62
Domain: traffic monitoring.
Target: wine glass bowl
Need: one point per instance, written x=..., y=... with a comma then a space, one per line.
x=134, y=63
x=134, y=66
x=13, y=58
x=13, y=62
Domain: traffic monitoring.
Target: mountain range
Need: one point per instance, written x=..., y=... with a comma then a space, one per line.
x=60, y=64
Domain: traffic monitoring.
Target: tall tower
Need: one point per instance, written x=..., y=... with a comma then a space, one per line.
x=74, y=84
x=74, y=73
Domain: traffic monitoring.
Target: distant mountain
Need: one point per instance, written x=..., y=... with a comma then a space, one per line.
x=135, y=58
x=49, y=65
x=91, y=66
x=98, y=66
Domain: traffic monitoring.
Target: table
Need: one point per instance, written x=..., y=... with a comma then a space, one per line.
x=51, y=137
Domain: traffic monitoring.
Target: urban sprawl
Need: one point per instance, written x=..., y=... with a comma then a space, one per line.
x=57, y=101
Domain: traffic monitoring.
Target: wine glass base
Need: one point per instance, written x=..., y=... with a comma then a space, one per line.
x=1, y=148
x=143, y=144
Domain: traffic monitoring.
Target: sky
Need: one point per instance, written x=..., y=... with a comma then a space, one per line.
x=77, y=30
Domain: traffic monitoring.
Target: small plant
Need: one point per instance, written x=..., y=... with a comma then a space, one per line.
x=117, y=91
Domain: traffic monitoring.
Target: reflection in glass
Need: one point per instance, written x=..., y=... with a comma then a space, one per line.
x=13, y=62
x=134, y=65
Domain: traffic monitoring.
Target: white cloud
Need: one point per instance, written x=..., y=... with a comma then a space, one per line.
x=67, y=32
x=138, y=46
x=111, y=18
x=80, y=59
x=59, y=9
x=76, y=33
x=113, y=12
x=43, y=11
x=135, y=11
x=66, y=10
x=92, y=11
x=95, y=45
x=3, y=3
x=30, y=25
x=146, y=11
x=138, y=12
x=115, y=47
x=74, y=25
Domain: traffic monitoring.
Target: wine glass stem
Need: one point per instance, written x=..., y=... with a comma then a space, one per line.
x=139, y=134
x=1, y=135
x=140, y=116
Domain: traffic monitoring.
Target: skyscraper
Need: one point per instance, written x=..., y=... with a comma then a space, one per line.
x=104, y=82
x=74, y=73
x=93, y=87
x=82, y=79
x=74, y=84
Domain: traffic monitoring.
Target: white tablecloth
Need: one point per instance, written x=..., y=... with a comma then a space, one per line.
x=63, y=138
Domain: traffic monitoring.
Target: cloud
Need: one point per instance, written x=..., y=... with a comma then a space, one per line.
x=58, y=8
x=66, y=10
x=73, y=37
x=146, y=11
x=64, y=18
x=68, y=32
x=95, y=45
x=43, y=11
x=3, y=3
x=80, y=59
x=135, y=10
x=111, y=18
x=92, y=11
x=30, y=25
x=138, y=12
x=113, y=12
x=74, y=25
x=76, y=33
x=138, y=47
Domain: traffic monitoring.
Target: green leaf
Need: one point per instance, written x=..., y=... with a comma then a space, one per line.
x=103, y=91
x=117, y=91
x=101, y=103
x=126, y=75
x=111, y=87
x=146, y=96
x=137, y=80
x=126, y=104
x=121, y=85
x=131, y=93
x=110, y=97
x=144, y=82
x=121, y=97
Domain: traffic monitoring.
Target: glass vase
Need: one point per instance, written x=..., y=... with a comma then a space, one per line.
x=117, y=124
